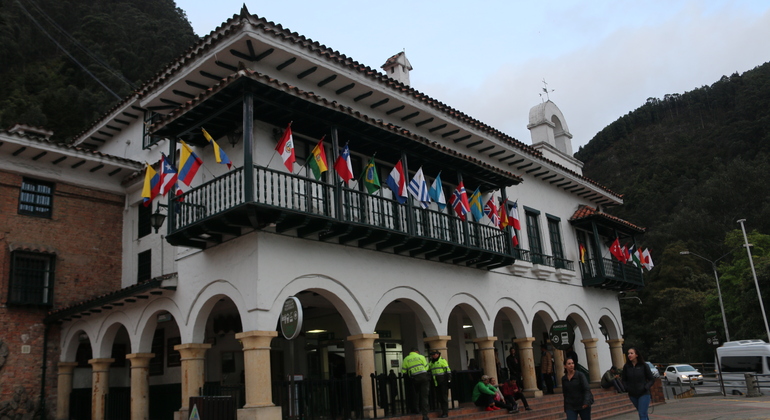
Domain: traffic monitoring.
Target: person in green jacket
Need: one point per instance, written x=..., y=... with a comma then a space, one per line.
x=439, y=369
x=484, y=396
x=415, y=367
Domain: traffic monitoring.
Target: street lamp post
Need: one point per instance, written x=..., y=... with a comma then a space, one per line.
x=719, y=289
x=754, y=273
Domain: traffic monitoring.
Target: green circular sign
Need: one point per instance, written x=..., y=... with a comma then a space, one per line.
x=561, y=335
x=291, y=318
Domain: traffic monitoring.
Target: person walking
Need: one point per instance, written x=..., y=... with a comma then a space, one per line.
x=416, y=367
x=577, y=392
x=546, y=368
x=638, y=379
x=439, y=369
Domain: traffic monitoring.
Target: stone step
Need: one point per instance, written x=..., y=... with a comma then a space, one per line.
x=548, y=407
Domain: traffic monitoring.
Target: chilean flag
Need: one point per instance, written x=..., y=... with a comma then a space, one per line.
x=397, y=183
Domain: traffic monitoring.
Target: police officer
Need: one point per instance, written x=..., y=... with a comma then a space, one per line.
x=440, y=371
x=416, y=367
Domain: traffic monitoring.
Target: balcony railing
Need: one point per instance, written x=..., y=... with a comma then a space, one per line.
x=611, y=274
x=543, y=259
x=291, y=201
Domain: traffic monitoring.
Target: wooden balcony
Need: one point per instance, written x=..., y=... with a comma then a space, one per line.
x=289, y=204
x=610, y=274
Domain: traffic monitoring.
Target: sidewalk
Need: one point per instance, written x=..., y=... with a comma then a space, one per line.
x=707, y=407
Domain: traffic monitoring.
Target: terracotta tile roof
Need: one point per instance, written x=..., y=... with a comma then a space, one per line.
x=585, y=212
x=310, y=96
x=235, y=24
x=111, y=297
x=62, y=146
x=37, y=248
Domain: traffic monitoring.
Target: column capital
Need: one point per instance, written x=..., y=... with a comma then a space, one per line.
x=100, y=364
x=525, y=342
x=590, y=342
x=256, y=340
x=67, y=368
x=192, y=350
x=363, y=341
x=615, y=342
x=488, y=341
x=140, y=360
x=437, y=338
x=438, y=342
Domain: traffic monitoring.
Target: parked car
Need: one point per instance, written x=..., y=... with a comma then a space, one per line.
x=654, y=369
x=683, y=374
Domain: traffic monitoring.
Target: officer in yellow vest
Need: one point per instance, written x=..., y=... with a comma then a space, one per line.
x=440, y=371
x=416, y=368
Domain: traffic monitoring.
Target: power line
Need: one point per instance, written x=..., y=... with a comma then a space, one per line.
x=82, y=47
x=66, y=52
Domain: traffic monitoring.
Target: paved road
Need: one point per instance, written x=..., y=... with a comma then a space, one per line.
x=708, y=407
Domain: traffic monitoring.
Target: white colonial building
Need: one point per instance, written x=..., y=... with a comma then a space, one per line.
x=202, y=297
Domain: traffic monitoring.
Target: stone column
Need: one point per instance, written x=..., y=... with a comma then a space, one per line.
x=616, y=352
x=594, y=371
x=558, y=366
x=363, y=347
x=100, y=385
x=64, y=389
x=439, y=343
x=193, y=373
x=527, y=359
x=140, y=386
x=256, y=364
x=487, y=352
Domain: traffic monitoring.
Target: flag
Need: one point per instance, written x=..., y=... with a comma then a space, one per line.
x=397, y=183
x=616, y=251
x=626, y=254
x=371, y=178
x=218, y=152
x=504, y=222
x=513, y=218
x=490, y=209
x=318, y=160
x=419, y=189
x=460, y=201
x=285, y=148
x=514, y=238
x=582, y=253
x=167, y=175
x=647, y=260
x=189, y=163
x=476, y=207
x=637, y=257
x=436, y=192
x=151, y=185
x=343, y=166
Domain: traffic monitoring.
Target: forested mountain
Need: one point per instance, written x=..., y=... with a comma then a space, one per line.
x=43, y=86
x=691, y=165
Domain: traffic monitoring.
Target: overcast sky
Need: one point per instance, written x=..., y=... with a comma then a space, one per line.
x=601, y=58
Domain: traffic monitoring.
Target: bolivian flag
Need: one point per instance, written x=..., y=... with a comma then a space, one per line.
x=318, y=160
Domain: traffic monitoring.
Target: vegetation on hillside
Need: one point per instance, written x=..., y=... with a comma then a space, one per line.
x=690, y=166
x=43, y=86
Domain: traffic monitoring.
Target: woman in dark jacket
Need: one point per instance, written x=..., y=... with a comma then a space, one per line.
x=638, y=380
x=577, y=393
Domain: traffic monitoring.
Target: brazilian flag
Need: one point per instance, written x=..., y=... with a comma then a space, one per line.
x=371, y=179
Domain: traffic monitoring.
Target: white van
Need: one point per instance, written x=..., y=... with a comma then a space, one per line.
x=735, y=358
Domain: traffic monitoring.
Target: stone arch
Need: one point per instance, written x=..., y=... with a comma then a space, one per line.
x=581, y=320
x=545, y=312
x=148, y=322
x=475, y=310
x=425, y=310
x=611, y=323
x=194, y=329
x=70, y=341
x=331, y=289
x=514, y=313
x=107, y=331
